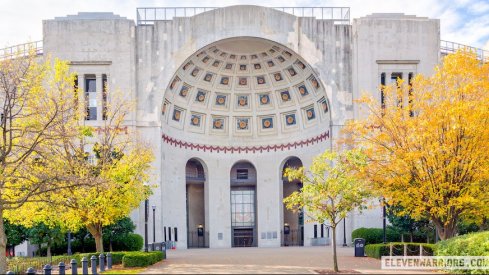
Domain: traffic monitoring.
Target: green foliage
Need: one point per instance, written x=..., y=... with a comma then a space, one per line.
x=141, y=259
x=412, y=249
x=43, y=234
x=472, y=244
x=128, y=242
x=404, y=224
x=16, y=234
x=375, y=235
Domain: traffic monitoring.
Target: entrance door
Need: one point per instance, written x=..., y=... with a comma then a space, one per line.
x=243, y=216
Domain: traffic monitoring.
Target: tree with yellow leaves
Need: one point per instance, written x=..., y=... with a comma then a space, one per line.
x=113, y=160
x=331, y=189
x=36, y=100
x=430, y=153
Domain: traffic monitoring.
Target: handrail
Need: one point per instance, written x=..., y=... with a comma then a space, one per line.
x=447, y=47
x=149, y=15
x=22, y=50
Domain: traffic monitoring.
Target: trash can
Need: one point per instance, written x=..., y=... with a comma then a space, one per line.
x=359, y=247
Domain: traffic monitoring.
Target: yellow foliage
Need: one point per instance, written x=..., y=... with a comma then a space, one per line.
x=430, y=153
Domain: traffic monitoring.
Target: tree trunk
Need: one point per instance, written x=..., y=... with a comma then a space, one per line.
x=445, y=230
x=411, y=236
x=48, y=252
x=3, y=246
x=96, y=231
x=335, y=258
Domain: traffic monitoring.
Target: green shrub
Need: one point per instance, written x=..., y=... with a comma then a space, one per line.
x=375, y=235
x=472, y=244
x=412, y=249
x=128, y=242
x=141, y=259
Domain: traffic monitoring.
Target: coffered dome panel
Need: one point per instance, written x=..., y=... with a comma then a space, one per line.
x=245, y=91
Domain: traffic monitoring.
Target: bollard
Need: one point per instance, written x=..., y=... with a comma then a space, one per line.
x=10, y=273
x=84, y=266
x=93, y=261
x=74, y=267
x=62, y=268
x=109, y=260
x=102, y=262
x=163, y=248
x=30, y=271
x=47, y=269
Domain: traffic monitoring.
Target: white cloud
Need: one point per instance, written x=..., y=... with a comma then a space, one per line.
x=462, y=21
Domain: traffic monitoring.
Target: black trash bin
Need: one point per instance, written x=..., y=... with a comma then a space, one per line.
x=359, y=247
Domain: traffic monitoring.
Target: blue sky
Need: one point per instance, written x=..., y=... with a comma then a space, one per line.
x=462, y=21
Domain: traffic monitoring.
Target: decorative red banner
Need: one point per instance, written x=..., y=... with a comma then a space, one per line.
x=245, y=149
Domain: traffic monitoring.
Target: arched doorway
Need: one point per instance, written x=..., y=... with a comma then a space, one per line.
x=243, y=205
x=293, y=223
x=197, y=234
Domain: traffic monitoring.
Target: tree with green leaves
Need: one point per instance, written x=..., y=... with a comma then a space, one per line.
x=43, y=234
x=16, y=234
x=331, y=189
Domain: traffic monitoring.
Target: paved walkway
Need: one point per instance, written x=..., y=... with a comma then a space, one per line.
x=283, y=260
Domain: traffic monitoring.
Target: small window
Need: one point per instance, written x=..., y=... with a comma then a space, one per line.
x=242, y=174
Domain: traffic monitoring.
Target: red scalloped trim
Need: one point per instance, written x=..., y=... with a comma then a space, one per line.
x=246, y=149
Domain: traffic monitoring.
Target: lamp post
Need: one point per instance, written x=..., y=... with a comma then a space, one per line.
x=154, y=224
x=384, y=221
x=146, y=210
x=344, y=232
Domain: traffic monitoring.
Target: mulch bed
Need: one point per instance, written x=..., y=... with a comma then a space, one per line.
x=330, y=271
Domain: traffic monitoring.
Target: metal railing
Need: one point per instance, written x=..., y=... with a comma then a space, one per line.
x=148, y=16
x=448, y=47
x=21, y=50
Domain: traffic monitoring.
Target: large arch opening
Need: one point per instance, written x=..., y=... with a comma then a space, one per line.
x=197, y=233
x=293, y=222
x=243, y=205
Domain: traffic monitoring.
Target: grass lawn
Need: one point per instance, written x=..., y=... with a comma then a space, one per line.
x=118, y=269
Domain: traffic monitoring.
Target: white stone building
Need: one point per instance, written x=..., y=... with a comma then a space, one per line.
x=230, y=96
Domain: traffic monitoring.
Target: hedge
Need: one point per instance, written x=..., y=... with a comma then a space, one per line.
x=472, y=244
x=379, y=250
x=131, y=258
x=141, y=259
x=128, y=242
x=375, y=235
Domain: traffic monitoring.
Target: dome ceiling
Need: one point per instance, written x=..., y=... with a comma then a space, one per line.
x=245, y=88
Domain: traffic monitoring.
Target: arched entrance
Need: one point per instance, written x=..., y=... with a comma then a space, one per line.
x=197, y=234
x=293, y=223
x=243, y=205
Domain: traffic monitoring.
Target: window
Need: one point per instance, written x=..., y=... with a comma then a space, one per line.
x=394, y=78
x=91, y=97
x=242, y=174
x=75, y=90
x=104, y=97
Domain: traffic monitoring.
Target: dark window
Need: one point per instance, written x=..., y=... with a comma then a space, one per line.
x=169, y=233
x=242, y=174
x=176, y=234
x=410, y=95
x=322, y=230
x=382, y=95
x=394, y=78
x=104, y=97
x=75, y=90
x=164, y=233
x=315, y=231
x=90, y=84
x=91, y=97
